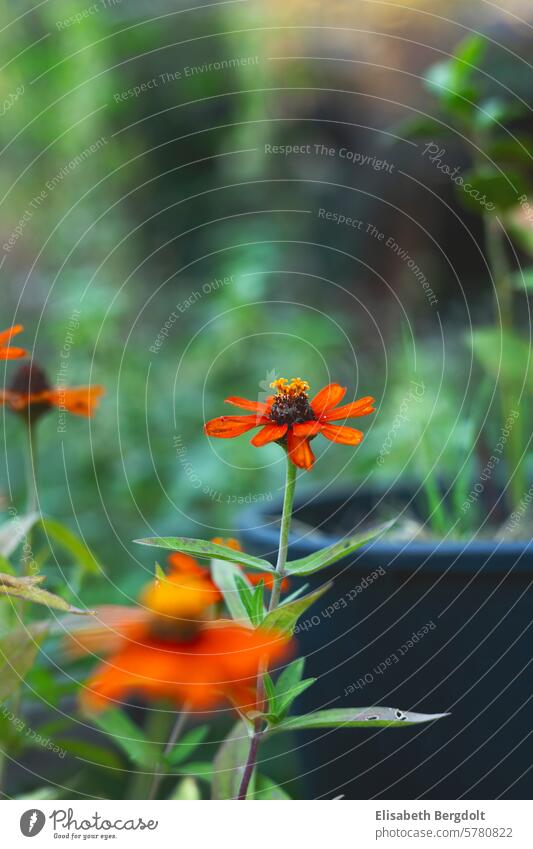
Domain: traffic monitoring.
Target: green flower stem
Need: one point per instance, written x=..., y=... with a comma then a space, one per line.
x=286, y=517
x=32, y=498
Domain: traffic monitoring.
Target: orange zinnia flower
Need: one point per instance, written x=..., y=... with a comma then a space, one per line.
x=168, y=650
x=31, y=395
x=7, y=352
x=292, y=420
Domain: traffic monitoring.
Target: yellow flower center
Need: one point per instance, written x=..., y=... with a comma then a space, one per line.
x=179, y=597
x=291, y=403
x=296, y=388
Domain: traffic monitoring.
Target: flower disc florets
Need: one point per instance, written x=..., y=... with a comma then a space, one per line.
x=291, y=402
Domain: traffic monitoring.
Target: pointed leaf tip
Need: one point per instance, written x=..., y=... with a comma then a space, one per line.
x=357, y=718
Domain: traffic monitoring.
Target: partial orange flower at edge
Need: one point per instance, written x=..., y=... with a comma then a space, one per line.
x=30, y=391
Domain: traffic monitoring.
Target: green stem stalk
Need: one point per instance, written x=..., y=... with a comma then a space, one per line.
x=286, y=517
x=32, y=498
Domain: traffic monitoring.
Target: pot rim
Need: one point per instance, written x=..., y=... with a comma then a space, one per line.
x=258, y=527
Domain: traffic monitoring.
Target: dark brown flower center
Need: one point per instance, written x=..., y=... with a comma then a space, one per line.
x=30, y=380
x=291, y=402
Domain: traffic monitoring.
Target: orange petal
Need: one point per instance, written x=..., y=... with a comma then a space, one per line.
x=310, y=428
x=267, y=578
x=219, y=662
x=81, y=401
x=270, y=433
x=300, y=451
x=111, y=626
x=362, y=407
x=6, y=351
x=12, y=353
x=184, y=564
x=327, y=398
x=16, y=400
x=343, y=435
x=229, y=542
x=246, y=404
x=225, y=427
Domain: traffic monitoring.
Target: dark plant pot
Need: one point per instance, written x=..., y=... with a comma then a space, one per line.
x=469, y=605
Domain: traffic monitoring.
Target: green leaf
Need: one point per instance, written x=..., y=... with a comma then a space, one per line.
x=270, y=692
x=258, y=613
x=226, y=575
x=497, y=110
x=187, y=790
x=15, y=531
x=229, y=763
x=296, y=594
x=73, y=544
x=43, y=793
x=18, y=651
x=197, y=769
x=288, y=686
x=283, y=619
x=520, y=229
x=470, y=50
x=505, y=356
x=268, y=790
x=207, y=550
x=6, y=566
x=291, y=675
x=28, y=589
x=284, y=699
x=90, y=753
x=523, y=280
x=188, y=744
x=368, y=717
x=511, y=150
x=128, y=737
x=422, y=127
x=326, y=556
x=159, y=572
x=451, y=81
x=248, y=599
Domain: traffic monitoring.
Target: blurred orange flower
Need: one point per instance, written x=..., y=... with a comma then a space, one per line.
x=289, y=418
x=7, y=351
x=169, y=650
x=31, y=395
